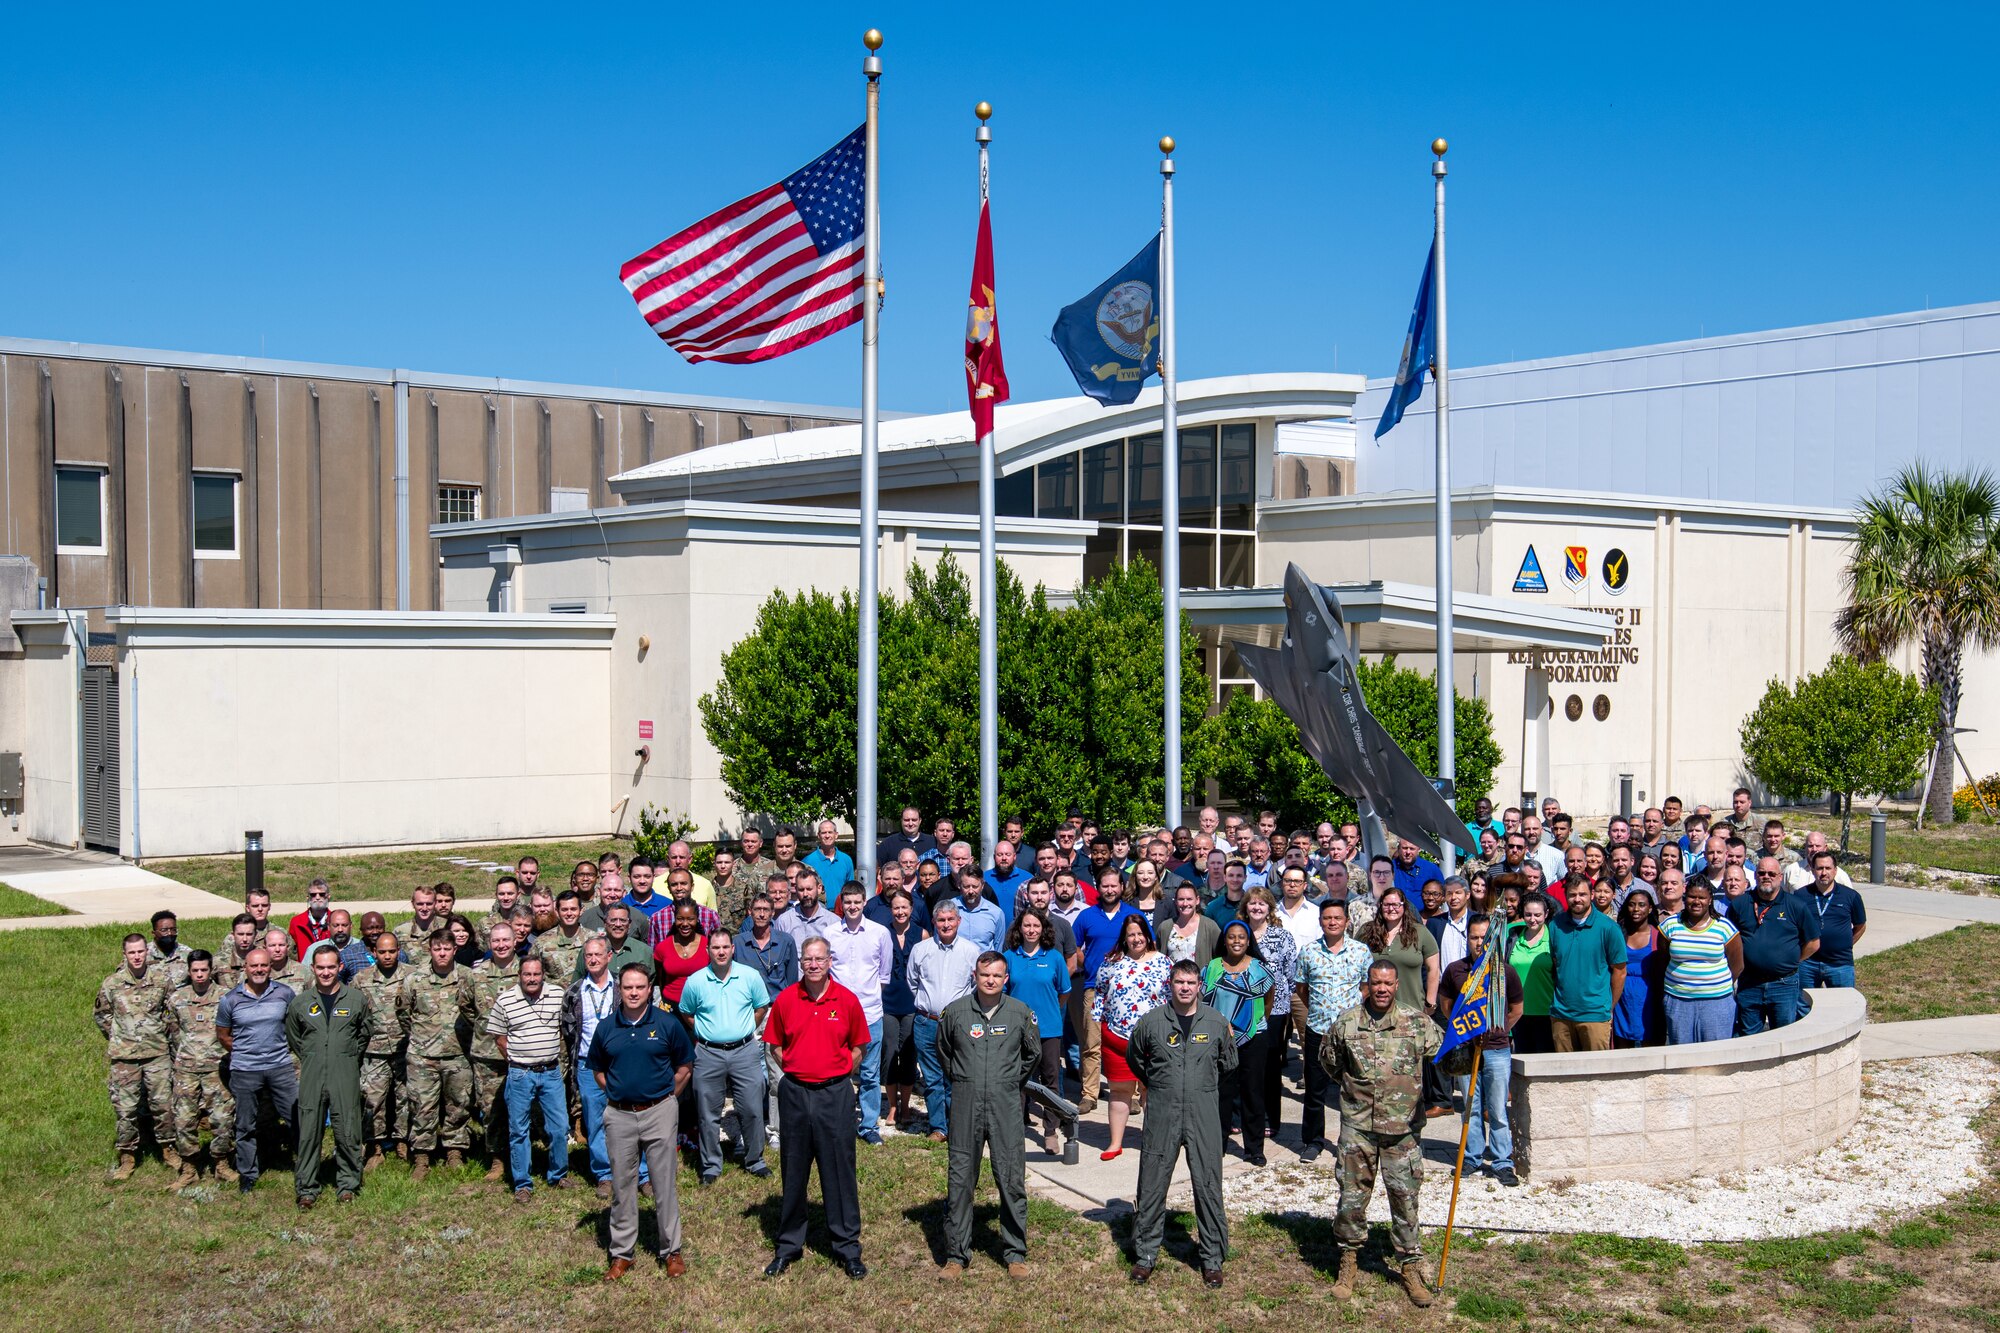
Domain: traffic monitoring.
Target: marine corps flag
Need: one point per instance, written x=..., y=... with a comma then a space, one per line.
x=1111, y=337
x=985, y=373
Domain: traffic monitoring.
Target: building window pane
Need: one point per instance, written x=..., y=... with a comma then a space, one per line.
x=1104, y=480
x=1239, y=476
x=1198, y=476
x=1055, y=488
x=1197, y=560
x=1144, y=480
x=1014, y=497
x=1100, y=553
x=214, y=513
x=80, y=508
x=1239, y=561
x=1143, y=542
x=458, y=504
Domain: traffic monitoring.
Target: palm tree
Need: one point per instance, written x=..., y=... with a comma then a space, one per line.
x=1926, y=570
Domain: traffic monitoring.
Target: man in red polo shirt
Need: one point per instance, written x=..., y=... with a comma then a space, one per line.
x=819, y=1033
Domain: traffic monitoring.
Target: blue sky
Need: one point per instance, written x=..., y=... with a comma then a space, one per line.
x=454, y=189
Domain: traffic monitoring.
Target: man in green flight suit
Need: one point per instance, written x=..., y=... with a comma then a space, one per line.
x=1180, y=1051
x=327, y=1028
x=1377, y=1051
x=989, y=1043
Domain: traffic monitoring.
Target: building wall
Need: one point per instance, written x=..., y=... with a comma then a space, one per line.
x=314, y=447
x=689, y=579
x=1717, y=601
x=1804, y=416
x=47, y=675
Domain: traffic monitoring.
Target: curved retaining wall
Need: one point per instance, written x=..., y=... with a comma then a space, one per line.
x=1718, y=1108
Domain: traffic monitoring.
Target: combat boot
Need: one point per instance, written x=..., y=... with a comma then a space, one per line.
x=454, y=1159
x=403, y=1150
x=420, y=1166
x=128, y=1162
x=1414, y=1284
x=184, y=1178
x=171, y=1157
x=225, y=1170
x=374, y=1157
x=496, y=1170
x=1343, y=1279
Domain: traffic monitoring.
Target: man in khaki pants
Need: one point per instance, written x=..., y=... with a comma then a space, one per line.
x=642, y=1057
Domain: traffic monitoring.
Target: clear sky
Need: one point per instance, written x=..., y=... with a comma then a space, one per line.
x=453, y=189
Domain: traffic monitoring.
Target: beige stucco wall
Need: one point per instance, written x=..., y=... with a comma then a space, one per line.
x=689, y=578
x=47, y=674
x=351, y=730
x=1719, y=1108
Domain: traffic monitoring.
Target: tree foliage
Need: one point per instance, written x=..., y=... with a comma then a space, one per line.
x=1081, y=694
x=1850, y=728
x=1926, y=571
x=1253, y=752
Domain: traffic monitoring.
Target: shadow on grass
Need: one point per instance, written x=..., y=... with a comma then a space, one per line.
x=1313, y=1239
x=932, y=1215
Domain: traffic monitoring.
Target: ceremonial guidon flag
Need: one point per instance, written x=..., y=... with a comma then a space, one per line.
x=767, y=275
x=1473, y=1016
x=1419, y=352
x=985, y=373
x=1111, y=337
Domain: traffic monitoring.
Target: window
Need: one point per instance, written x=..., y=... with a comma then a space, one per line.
x=1055, y=488
x=80, y=510
x=215, y=515
x=458, y=504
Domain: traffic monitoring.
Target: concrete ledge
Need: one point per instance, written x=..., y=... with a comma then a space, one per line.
x=1756, y=1101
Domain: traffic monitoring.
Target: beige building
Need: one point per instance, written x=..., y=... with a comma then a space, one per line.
x=138, y=477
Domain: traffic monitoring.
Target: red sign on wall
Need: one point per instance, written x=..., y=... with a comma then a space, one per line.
x=645, y=729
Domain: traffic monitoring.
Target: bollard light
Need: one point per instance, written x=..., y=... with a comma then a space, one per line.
x=253, y=859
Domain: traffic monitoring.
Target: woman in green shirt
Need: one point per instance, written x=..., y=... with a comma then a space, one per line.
x=1528, y=954
x=1394, y=934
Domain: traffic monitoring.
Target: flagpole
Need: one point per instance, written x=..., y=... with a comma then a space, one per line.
x=871, y=519
x=1170, y=492
x=1458, y=1171
x=1447, y=699
x=989, y=628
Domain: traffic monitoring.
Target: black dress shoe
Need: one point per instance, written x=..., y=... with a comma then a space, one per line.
x=777, y=1266
x=855, y=1269
x=1139, y=1274
x=1211, y=1277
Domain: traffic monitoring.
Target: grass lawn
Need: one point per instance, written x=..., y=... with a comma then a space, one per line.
x=14, y=903
x=1941, y=976
x=1973, y=845
x=79, y=1253
x=373, y=876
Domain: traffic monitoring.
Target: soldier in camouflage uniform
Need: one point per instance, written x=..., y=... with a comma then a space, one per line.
x=561, y=948
x=199, y=1088
x=132, y=1015
x=242, y=938
x=489, y=1067
x=510, y=907
x=384, y=1088
x=434, y=1009
x=752, y=873
x=165, y=955
x=285, y=969
x=1377, y=1050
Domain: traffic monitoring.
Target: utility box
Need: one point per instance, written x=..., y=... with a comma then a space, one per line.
x=10, y=775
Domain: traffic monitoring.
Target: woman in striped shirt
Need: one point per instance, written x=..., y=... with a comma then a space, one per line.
x=1704, y=958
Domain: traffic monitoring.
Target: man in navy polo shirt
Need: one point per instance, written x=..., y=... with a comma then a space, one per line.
x=1842, y=919
x=1779, y=935
x=642, y=1057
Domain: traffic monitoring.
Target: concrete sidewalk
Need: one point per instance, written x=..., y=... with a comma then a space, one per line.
x=99, y=889
x=1970, y=1034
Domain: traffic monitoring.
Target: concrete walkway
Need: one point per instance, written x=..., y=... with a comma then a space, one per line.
x=100, y=889
x=1970, y=1034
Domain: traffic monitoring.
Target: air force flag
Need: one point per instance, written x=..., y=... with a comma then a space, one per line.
x=1419, y=352
x=1111, y=337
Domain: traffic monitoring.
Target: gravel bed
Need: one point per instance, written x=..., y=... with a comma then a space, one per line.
x=1914, y=1146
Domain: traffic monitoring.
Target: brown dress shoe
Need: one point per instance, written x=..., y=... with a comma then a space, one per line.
x=619, y=1268
x=1140, y=1274
x=1211, y=1277
x=675, y=1265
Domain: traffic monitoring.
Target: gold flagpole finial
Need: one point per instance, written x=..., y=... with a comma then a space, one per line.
x=1167, y=144
x=872, y=39
x=984, y=110
x=1439, y=146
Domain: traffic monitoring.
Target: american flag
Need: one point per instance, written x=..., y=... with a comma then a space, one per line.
x=766, y=275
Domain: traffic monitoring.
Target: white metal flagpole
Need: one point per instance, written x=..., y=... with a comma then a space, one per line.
x=1447, y=700
x=1170, y=492
x=989, y=628
x=871, y=522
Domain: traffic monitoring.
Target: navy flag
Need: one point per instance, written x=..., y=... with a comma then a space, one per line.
x=1419, y=352
x=1111, y=337
x=1474, y=1015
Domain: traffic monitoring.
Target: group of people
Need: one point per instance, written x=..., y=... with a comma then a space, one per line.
x=641, y=1008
